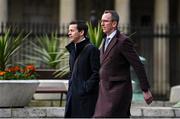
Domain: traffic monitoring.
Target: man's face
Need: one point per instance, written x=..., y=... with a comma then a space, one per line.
x=74, y=34
x=108, y=25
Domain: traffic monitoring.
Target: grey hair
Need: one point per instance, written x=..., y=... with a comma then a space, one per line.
x=114, y=15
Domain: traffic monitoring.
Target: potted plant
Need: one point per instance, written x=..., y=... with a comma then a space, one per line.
x=16, y=84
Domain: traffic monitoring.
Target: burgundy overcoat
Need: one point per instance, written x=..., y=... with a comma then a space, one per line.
x=115, y=90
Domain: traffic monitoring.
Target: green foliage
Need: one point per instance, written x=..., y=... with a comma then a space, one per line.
x=95, y=34
x=47, y=51
x=9, y=45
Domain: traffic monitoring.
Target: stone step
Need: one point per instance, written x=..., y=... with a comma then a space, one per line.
x=58, y=112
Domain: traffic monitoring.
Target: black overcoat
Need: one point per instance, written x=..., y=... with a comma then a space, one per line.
x=83, y=80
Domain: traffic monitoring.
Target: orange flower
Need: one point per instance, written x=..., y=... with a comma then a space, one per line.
x=17, y=72
x=30, y=68
x=2, y=73
x=13, y=69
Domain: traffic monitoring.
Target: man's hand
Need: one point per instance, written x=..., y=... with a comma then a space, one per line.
x=148, y=97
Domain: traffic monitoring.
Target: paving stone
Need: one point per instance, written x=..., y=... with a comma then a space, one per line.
x=20, y=112
x=55, y=112
x=5, y=113
x=177, y=112
x=29, y=112
x=169, y=104
x=143, y=104
x=37, y=112
x=136, y=112
x=157, y=103
x=138, y=104
x=158, y=112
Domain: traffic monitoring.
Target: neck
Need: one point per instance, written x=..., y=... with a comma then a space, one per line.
x=109, y=33
x=80, y=40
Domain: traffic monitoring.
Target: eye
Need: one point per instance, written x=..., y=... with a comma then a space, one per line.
x=105, y=21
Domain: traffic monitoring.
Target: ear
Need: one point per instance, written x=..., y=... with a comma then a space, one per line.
x=114, y=24
x=82, y=32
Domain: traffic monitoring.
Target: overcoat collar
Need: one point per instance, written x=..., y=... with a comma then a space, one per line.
x=71, y=46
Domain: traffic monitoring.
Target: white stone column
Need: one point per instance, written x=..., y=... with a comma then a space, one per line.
x=3, y=12
x=123, y=9
x=67, y=11
x=161, y=49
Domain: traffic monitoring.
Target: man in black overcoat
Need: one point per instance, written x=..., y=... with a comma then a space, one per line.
x=84, y=64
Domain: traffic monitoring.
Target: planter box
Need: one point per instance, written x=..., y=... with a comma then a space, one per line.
x=17, y=93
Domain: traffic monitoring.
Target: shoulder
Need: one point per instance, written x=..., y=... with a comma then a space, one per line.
x=93, y=48
x=123, y=38
x=70, y=46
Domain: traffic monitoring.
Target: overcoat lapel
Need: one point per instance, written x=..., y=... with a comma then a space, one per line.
x=104, y=54
x=102, y=51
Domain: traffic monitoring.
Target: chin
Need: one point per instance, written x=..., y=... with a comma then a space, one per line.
x=71, y=40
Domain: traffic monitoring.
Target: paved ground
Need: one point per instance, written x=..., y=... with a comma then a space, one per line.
x=157, y=109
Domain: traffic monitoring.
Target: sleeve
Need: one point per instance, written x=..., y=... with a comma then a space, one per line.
x=92, y=83
x=131, y=55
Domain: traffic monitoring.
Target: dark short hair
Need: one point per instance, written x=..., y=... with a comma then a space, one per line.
x=114, y=15
x=81, y=26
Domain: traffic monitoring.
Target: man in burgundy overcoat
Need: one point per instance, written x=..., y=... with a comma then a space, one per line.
x=117, y=54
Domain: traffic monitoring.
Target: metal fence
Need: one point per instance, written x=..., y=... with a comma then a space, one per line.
x=159, y=45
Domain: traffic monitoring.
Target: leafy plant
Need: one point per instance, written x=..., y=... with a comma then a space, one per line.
x=95, y=34
x=47, y=51
x=9, y=45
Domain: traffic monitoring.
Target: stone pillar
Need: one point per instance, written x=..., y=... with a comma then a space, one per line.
x=161, y=49
x=3, y=11
x=67, y=11
x=123, y=9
